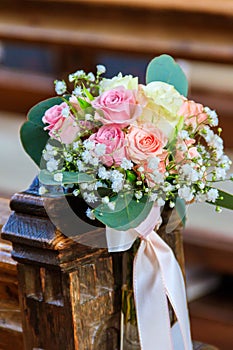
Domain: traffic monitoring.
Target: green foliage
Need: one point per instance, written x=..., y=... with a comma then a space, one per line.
x=225, y=200
x=164, y=68
x=128, y=213
x=32, y=133
x=69, y=178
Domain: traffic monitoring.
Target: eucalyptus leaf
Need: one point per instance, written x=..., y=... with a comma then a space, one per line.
x=225, y=202
x=128, y=212
x=164, y=68
x=47, y=178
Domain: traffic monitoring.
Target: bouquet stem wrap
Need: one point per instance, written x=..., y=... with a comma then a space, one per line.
x=156, y=277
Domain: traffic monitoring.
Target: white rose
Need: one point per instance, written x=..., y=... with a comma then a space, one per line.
x=128, y=81
x=162, y=107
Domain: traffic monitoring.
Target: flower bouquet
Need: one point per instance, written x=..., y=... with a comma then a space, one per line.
x=127, y=149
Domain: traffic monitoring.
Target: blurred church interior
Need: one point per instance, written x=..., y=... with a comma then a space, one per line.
x=41, y=41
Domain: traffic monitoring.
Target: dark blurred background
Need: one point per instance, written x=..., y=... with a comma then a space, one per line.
x=41, y=41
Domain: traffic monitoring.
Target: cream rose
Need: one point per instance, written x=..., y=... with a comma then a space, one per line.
x=128, y=81
x=162, y=107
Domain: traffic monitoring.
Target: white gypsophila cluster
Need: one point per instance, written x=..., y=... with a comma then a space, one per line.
x=219, y=173
x=186, y=193
x=213, y=117
x=79, y=74
x=157, y=177
x=100, y=149
x=60, y=87
x=42, y=190
x=187, y=172
x=206, y=133
x=200, y=197
x=91, y=77
x=58, y=177
x=89, y=197
x=160, y=202
x=212, y=195
x=138, y=194
x=77, y=91
x=184, y=135
x=89, y=145
x=103, y=173
x=81, y=166
x=76, y=192
x=101, y=69
x=117, y=180
x=90, y=214
x=153, y=163
x=89, y=159
x=52, y=165
x=49, y=154
x=126, y=164
x=167, y=187
x=89, y=117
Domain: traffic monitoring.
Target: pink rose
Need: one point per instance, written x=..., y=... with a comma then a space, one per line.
x=193, y=113
x=144, y=141
x=62, y=125
x=117, y=106
x=113, y=138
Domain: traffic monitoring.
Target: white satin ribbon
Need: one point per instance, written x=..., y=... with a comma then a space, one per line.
x=156, y=276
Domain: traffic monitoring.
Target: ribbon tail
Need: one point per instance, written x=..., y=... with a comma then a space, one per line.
x=150, y=300
x=175, y=287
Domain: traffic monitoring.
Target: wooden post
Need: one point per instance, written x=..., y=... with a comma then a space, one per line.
x=70, y=294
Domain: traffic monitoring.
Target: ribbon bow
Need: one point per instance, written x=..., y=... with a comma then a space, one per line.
x=156, y=277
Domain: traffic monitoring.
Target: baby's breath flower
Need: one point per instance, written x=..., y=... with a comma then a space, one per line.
x=81, y=166
x=89, y=197
x=126, y=164
x=52, y=165
x=77, y=91
x=89, y=145
x=138, y=194
x=101, y=69
x=160, y=202
x=58, y=177
x=90, y=214
x=42, y=190
x=91, y=77
x=100, y=149
x=60, y=87
x=105, y=200
x=186, y=193
x=76, y=192
x=212, y=195
x=103, y=173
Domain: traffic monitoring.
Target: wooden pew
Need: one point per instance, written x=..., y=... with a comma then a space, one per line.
x=10, y=315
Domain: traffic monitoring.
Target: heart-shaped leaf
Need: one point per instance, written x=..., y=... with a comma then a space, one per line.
x=164, y=68
x=32, y=133
x=128, y=212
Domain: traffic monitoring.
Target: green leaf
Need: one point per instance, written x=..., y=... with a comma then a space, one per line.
x=83, y=104
x=128, y=212
x=226, y=202
x=34, y=139
x=47, y=178
x=181, y=209
x=87, y=93
x=164, y=68
x=32, y=133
